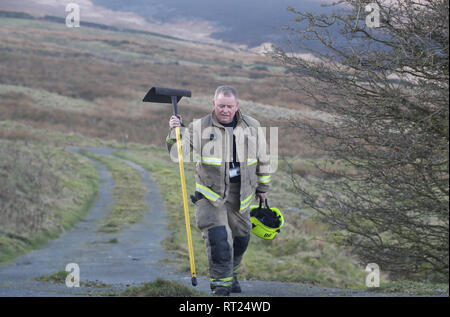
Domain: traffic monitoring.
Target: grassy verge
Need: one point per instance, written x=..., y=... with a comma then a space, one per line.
x=162, y=288
x=299, y=253
x=412, y=288
x=128, y=194
x=45, y=190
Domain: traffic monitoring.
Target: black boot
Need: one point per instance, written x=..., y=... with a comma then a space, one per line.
x=221, y=291
x=235, y=287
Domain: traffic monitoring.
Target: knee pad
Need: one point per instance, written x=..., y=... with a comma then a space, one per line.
x=220, y=249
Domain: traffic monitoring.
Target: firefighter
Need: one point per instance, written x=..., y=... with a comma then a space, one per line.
x=232, y=168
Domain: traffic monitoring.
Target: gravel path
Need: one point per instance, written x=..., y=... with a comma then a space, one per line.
x=137, y=257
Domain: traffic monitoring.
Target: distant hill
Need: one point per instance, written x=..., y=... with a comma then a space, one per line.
x=250, y=22
x=247, y=23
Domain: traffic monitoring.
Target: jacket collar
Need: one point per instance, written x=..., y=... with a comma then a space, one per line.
x=218, y=124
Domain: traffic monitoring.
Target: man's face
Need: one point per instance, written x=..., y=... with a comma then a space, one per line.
x=225, y=107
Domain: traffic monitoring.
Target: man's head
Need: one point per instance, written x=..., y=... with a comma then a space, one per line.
x=225, y=103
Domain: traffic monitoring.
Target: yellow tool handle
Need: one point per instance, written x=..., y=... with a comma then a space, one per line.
x=186, y=208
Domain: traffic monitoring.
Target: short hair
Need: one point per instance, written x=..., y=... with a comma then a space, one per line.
x=226, y=91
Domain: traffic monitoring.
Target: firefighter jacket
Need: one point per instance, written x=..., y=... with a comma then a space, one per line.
x=208, y=143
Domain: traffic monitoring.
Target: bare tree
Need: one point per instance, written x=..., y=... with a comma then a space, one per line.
x=387, y=88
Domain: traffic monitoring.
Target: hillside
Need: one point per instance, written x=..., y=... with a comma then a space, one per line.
x=108, y=72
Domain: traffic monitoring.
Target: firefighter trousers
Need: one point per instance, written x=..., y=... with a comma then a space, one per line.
x=226, y=233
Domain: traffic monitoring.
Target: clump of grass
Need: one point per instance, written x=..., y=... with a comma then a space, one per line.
x=60, y=278
x=57, y=277
x=162, y=288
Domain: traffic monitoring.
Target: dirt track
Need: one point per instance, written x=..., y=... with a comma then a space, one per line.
x=137, y=256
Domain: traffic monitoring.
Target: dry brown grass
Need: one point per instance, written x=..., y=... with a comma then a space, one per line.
x=25, y=181
x=114, y=70
x=144, y=126
x=40, y=191
x=99, y=63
